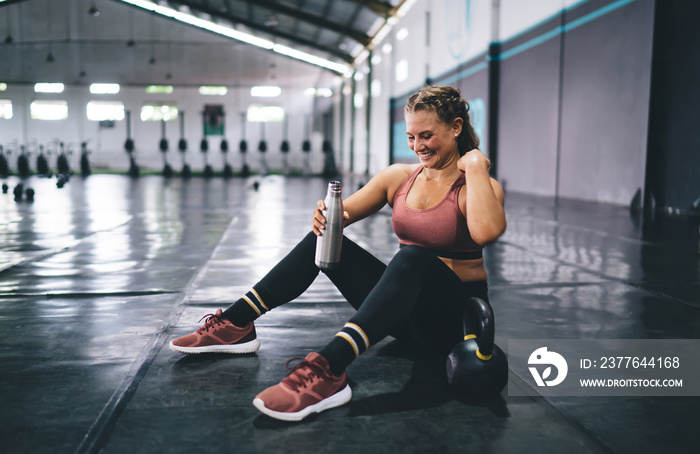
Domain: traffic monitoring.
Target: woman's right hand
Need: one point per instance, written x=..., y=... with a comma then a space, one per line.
x=319, y=222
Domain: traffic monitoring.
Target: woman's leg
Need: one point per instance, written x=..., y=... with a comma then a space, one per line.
x=232, y=331
x=415, y=282
x=355, y=276
x=415, y=277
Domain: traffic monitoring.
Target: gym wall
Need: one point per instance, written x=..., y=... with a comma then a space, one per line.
x=673, y=161
x=573, y=93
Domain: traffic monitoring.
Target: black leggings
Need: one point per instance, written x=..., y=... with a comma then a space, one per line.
x=416, y=297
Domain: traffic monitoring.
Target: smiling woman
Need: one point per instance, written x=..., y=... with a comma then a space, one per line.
x=445, y=209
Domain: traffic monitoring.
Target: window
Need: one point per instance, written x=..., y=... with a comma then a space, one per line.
x=48, y=110
x=401, y=70
x=105, y=111
x=158, y=112
x=262, y=113
x=5, y=109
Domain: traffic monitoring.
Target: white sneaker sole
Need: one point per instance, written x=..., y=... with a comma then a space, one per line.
x=248, y=347
x=336, y=400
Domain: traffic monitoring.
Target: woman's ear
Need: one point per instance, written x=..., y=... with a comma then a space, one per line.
x=457, y=124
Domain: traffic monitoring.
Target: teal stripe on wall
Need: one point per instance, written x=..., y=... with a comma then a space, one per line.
x=567, y=27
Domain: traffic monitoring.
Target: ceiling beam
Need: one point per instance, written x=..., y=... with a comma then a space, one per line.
x=196, y=6
x=313, y=19
x=381, y=8
x=9, y=2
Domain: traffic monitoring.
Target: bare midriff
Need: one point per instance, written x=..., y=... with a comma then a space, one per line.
x=467, y=270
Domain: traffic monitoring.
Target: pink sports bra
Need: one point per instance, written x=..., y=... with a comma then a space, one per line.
x=442, y=228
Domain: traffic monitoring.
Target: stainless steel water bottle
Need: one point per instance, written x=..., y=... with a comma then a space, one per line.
x=328, y=245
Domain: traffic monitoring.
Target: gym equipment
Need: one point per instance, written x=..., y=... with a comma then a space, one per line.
x=284, y=148
x=262, y=148
x=62, y=179
x=477, y=366
x=23, y=163
x=204, y=148
x=129, y=146
x=182, y=147
x=30, y=194
x=62, y=161
x=163, y=146
x=18, y=192
x=4, y=166
x=85, y=169
x=5, y=188
x=306, y=148
x=228, y=170
x=42, y=163
x=243, y=148
x=329, y=168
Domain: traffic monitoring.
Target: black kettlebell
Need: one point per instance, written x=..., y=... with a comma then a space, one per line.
x=477, y=366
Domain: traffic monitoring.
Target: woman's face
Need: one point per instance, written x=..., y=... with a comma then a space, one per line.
x=431, y=140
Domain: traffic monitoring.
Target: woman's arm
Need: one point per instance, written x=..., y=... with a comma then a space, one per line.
x=482, y=200
x=369, y=199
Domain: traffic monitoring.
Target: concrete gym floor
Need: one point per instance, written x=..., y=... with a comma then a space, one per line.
x=97, y=278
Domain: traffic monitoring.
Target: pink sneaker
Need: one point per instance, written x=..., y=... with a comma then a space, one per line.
x=309, y=388
x=218, y=335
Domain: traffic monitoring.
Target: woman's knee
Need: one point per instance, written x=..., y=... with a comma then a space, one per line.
x=412, y=257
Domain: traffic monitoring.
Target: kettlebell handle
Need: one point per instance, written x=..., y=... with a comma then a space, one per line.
x=478, y=322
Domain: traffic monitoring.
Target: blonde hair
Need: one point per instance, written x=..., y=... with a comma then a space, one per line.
x=448, y=104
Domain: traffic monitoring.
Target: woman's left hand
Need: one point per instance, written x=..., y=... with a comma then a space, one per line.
x=473, y=160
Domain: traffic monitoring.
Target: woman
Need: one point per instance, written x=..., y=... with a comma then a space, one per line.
x=445, y=209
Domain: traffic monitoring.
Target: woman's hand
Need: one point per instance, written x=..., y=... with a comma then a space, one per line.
x=474, y=160
x=319, y=221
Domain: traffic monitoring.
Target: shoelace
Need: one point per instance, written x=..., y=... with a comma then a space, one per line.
x=303, y=373
x=212, y=320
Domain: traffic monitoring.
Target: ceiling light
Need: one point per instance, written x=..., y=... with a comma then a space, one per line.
x=262, y=91
x=44, y=87
x=104, y=89
x=212, y=90
x=159, y=89
x=402, y=34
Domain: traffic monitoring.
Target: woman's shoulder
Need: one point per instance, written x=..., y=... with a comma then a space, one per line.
x=394, y=176
x=400, y=171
